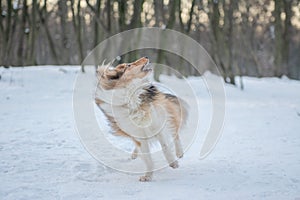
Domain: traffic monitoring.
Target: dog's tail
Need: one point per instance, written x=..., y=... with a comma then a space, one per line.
x=184, y=111
x=182, y=105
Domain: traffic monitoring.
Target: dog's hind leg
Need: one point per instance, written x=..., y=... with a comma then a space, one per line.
x=178, y=146
x=177, y=141
x=167, y=151
x=146, y=156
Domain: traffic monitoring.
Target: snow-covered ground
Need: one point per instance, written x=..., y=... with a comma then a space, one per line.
x=257, y=157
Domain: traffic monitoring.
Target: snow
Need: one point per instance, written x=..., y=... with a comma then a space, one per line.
x=42, y=157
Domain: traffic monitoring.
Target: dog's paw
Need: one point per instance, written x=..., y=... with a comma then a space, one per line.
x=179, y=154
x=145, y=178
x=134, y=155
x=174, y=164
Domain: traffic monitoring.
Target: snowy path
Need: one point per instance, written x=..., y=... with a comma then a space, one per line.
x=258, y=156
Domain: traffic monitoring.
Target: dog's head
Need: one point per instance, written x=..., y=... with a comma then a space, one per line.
x=123, y=74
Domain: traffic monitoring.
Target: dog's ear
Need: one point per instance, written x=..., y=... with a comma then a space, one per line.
x=105, y=71
x=111, y=74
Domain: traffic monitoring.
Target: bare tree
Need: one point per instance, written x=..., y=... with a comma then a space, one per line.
x=33, y=33
x=244, y=37
x=65, y=43
x=44, y=19
x=78, y=29
x=170, y=24
x=278, y=37
x=287, y=4
x=159, y=12
x=7, y=32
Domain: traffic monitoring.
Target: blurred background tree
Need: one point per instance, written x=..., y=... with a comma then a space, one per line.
x=253, y=38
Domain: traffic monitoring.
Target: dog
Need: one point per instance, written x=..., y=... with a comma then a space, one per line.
x=135, y=108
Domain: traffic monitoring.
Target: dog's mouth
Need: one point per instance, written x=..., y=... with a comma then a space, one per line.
x=147, y=67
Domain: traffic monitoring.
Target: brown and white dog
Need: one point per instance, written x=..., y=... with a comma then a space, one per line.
x=135, y=108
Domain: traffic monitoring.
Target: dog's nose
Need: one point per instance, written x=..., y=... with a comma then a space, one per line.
x=146, y=57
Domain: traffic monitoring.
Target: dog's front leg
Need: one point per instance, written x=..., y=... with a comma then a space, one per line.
x=135, y=152
x=146, y=156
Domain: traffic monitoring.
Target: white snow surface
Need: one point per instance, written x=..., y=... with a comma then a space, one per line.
x=257, y=157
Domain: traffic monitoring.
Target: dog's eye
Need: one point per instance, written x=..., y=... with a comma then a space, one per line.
x=128, y=65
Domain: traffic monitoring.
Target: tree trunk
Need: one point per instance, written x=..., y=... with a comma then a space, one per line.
x=32, y=54
x=108, y=16
x=1, y=18
x=287, y=35
x=20, y=50
x=159, y=10
x=7, y=33
x=189, y=24
x=44, y=19
x=214, y=18
x=171, y=22
x=10, y=56
x=122, y=14
x=136, y=17
x=228, y=39
x=278, y=38
x=172, y=13
x=77, y=29
x=2, y=37
x=65, y=43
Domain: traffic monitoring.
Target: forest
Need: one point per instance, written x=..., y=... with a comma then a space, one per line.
x=244, y=38
x=221, y=85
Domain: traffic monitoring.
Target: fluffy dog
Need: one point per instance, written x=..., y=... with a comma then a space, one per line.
x=135, y=108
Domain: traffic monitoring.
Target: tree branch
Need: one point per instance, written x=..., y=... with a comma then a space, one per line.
x=96, y=12
x=191, y=17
